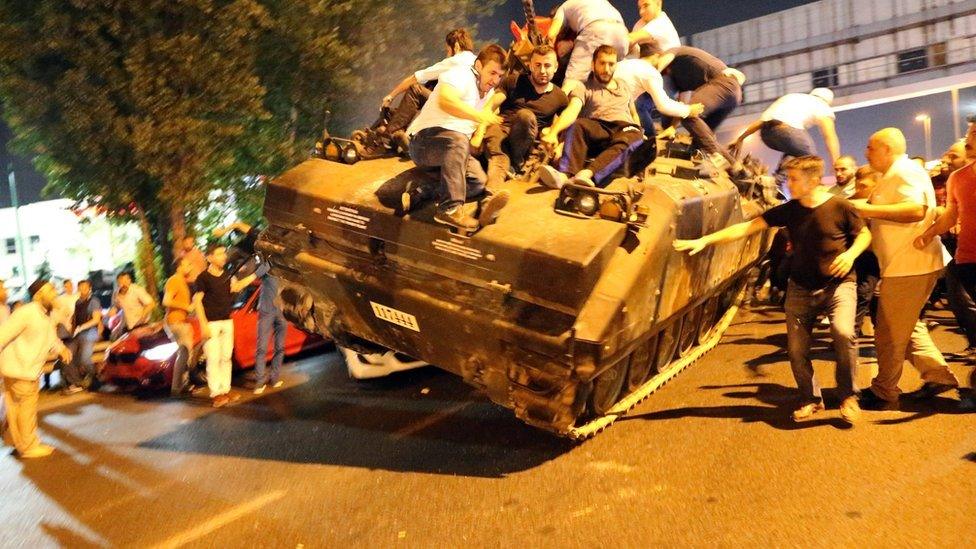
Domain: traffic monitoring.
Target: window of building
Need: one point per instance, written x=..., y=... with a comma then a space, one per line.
x=938, y=53
x=913, y=60
x=34, y=241
x=825, y=78
x=11, y=245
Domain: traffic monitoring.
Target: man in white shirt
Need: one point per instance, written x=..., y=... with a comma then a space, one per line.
x=596, y=23
x=134, y=301
x=900, y=209
x=440, y=137
x=460, y=53
x=783, y=125
x=26, y=340
x=653, y=28
x=642, y=77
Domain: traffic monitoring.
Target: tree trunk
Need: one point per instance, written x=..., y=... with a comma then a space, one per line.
x=146, y=257
x=177, y=229
x=159, y=223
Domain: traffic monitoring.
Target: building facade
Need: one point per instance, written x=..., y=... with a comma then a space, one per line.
x=870, y=52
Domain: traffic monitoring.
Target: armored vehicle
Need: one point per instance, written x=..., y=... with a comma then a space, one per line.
x=569, y=310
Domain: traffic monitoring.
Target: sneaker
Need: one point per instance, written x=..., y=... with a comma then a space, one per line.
x=71, y=390
x=455, y=217
x=277, y=384
x=850, y=410
x=870, y=401
x=491, y=207
x=930, y=389
x=39, y=451
x=807, y=410
x=583, y=181
x=259, y=390
x=220, y=401
x=552, y=178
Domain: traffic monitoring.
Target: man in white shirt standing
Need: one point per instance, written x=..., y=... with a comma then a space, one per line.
x=900, y=209
x=26, y=339
x=596, y=23
x=460, y=53
x=654, y=28
x=440, y=137
x=783, y=125
x=134, y=301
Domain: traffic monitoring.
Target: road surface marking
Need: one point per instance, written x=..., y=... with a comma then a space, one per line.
x=219, y=521
x=429, y=421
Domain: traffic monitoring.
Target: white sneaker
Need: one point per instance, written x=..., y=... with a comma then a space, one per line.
x=552, y=178
x=277, y=384
x=850, y=410
x=260, y=389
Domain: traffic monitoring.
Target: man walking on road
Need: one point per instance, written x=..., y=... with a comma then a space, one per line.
x=26, y=340
x=85, y=323
x=900, y=209
x=827, y=236
x=179, y=305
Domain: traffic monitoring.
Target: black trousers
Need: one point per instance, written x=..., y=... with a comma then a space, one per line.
x=407, y=109
x=720, y=96
x=508, y=144
x=613, y=142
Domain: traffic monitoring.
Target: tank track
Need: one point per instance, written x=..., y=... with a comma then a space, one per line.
x=597, y=425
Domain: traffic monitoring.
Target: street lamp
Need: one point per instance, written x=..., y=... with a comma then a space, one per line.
x=926, y=121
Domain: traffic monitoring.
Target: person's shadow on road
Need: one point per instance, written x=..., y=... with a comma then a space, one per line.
x=777, y=413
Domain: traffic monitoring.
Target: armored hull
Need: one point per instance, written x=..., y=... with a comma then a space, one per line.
x=564, y=320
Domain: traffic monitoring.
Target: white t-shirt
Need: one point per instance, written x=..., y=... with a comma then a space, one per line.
x=799, y=110
x=26, y=339
x=578, y=14
x=893, y=242
x=465, y=81
x=433, y=72
x=662, y=30
x=640, y=76
x=133, y=304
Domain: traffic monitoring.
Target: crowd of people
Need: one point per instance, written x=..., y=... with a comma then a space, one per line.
x=872, y=245
x=69, y=324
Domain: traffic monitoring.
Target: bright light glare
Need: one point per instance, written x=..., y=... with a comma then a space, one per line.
x=161, y=352
x=922, y=117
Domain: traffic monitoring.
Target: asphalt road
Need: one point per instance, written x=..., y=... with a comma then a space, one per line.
x=420, y=460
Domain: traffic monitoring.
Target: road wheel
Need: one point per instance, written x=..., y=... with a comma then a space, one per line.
x=689, y=331
x=641, y=364
x=606, y=388
x=709, y=319
x=666, y=345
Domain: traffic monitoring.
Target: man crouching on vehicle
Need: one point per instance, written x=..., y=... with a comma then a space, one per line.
x=440, y=138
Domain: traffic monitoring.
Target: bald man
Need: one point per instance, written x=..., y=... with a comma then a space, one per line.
x=900, y=209
x=844, y=170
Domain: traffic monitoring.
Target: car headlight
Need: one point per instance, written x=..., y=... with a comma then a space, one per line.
x=160, y=352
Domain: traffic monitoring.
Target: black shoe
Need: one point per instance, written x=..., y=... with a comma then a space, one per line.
x=491, y=206
x=871, y=401
x=930, y=389
x=456, y=218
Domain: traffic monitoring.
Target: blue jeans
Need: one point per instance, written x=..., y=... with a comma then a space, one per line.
x=803, y=306
x=268, y=322
x=646, y=111
x=461, y=175
x=80, y=367
x=788, y=140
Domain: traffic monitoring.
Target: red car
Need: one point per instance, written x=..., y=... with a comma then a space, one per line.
x=144, y=357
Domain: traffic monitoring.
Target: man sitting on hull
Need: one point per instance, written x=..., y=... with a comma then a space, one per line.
x=460, y=53
x=527, y=103
x=601, y=120
x=440, y=137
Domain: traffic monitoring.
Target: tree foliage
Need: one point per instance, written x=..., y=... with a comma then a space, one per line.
x=143, y=107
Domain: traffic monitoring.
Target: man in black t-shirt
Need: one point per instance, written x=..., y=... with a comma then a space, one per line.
x=527, y=103
x=214, y=301
x=827, y=236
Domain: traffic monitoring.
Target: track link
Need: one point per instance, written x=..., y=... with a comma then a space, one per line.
x=596, y=425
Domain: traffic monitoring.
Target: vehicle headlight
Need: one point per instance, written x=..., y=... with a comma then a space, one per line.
x=588, y=204
x=160, y=352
